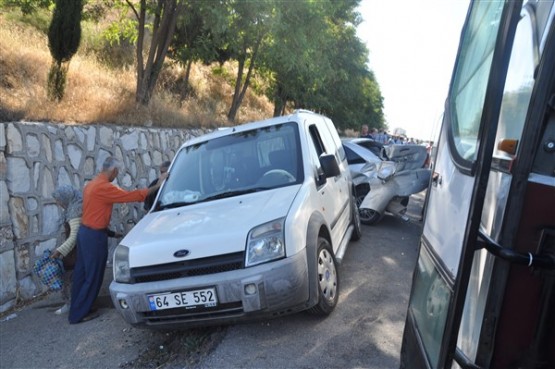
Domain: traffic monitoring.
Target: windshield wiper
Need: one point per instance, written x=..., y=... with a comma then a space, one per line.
x=172, y=205
x=226, y=194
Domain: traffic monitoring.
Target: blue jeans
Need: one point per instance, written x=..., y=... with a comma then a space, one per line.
x=88, y=274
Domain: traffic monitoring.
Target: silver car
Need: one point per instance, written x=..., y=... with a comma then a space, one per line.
x=385, y=176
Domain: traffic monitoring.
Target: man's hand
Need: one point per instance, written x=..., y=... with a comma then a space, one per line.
x=56, y=255
x=162, y=177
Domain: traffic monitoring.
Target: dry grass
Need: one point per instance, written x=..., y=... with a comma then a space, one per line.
x=96, y=93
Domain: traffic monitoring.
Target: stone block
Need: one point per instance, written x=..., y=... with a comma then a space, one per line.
x=23, y=259
x=4, y=196
x=130, y=141
x=91, y=139
x=75, y=154
x=50, y=219
x=8, y=277
x=47, y=147
x=100, y=157
x=20, y=220
x=2, y=136
x=33, y=145
x=47, y=185
x=28, y=289
x=63, y=177
x=88, y=167
x=36, y=174
x=6, y=237
x=157, y=158
x=59, y=150
x=14, y=139
x=18, y=176
x=69, y=133
x=49, y=244
x=80, y=133
x=3, y=167
x=107, y=136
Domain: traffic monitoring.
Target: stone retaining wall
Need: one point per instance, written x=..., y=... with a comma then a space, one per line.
x=35, y=158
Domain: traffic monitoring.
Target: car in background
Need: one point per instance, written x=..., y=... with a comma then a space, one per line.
x=385, y=176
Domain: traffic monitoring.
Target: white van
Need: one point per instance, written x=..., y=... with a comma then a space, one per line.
x=251, y=223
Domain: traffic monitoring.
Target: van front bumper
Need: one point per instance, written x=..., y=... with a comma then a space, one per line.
x=274, y=289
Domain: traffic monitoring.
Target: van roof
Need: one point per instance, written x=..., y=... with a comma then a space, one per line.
x=224, y=131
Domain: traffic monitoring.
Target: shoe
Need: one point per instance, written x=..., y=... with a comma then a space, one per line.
x=64, y=309
x=90, y=316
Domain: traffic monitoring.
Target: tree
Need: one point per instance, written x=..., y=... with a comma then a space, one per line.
x=317, y=62
x=249, y=27
x=165, y=13
x=200, y=35
x=64, y=36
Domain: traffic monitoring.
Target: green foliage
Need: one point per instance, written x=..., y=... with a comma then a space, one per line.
x=27, y=7
x=123, y=30
x=64, y=34
x=40, y=19
x=314, y=60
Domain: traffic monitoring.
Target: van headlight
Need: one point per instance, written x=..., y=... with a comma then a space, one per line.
x=122, y=273
x=266, y=242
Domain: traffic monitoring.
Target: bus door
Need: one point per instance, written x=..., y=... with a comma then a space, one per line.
x=495, y=113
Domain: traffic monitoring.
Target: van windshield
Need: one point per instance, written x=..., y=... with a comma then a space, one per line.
x=232, y=165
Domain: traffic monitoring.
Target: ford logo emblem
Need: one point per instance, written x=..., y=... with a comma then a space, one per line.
x=181, y=253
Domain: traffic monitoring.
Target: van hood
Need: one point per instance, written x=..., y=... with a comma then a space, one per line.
x=205, y=229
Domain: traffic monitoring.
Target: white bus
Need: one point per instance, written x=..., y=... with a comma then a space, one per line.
x=483, y=290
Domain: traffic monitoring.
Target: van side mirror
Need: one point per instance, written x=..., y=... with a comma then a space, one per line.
x=329, y=165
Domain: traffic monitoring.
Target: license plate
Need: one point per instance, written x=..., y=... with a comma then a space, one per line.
x=205, y=297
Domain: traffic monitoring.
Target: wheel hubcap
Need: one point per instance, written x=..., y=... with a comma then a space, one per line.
x=327, y=275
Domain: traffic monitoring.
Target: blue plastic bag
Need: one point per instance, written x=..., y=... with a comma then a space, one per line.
x=50, y=271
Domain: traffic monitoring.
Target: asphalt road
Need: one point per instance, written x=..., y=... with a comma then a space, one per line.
x=364, y=331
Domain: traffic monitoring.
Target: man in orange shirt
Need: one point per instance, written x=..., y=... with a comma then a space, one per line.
x=99, y=196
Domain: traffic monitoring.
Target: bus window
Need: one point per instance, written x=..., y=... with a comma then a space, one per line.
x=471, y=78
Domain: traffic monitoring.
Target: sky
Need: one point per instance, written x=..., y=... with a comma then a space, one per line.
x=412, y=48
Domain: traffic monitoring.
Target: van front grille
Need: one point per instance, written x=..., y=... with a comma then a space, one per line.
x=189, y=268
x=231, y=309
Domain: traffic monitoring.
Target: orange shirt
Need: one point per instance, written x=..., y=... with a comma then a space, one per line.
x=99, y=196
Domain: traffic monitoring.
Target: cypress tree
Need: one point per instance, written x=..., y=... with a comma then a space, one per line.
x=64, y=36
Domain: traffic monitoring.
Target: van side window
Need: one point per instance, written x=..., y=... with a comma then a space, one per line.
x=317, y=149
x=317, y=140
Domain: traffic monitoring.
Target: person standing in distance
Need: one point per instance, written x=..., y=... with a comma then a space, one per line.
x=99, y=196
x=69, y=199
x=152, y=196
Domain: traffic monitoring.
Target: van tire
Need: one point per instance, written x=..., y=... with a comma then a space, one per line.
x=328, y=279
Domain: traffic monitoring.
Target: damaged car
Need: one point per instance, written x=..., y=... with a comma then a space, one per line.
x=385, y=176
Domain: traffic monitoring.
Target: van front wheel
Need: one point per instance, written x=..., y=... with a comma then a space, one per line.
x=328, y=279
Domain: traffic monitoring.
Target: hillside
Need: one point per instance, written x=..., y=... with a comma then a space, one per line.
x=97, y=93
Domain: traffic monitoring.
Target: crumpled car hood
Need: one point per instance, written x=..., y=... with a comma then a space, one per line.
x=205, y=229
x=407, y=156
